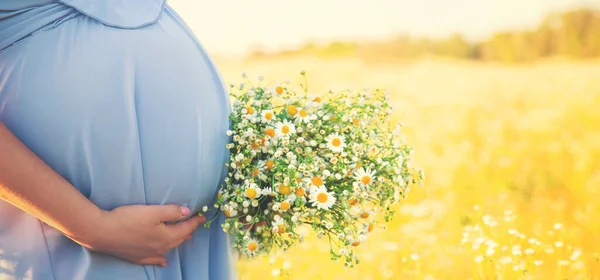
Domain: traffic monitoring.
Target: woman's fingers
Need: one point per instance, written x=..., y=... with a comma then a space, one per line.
x=169, y=213
x=185, y=228
x=156, y=260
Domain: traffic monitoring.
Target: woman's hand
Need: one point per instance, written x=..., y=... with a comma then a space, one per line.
x=138, y=233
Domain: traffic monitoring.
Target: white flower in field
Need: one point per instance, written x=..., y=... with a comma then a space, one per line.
x=246, y=203
x=335, y=142
x=303, y=116
x=252, y=191
x=248, y=218
x=322, y=199
x=251, y=247
x=268, y=116
x=314, y=181
x=278, y=89
x=278, y=224
x=364, y=177
x=229, y=132
x=285, y=128
x=529, y=251
x=266, y=191
x=334, y=160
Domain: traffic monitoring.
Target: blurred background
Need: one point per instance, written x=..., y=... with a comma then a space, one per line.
x=500, y=98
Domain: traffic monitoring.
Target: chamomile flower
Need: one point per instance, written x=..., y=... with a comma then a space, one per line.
x=252, y=247
x=278, y=224
x=302, y=116
x=278, y=89
x=322, y=199
x=313, y=182
x=364, y=177
x=252, y=191
x=335, y=142
x=249, y=110
x=268, y=116
x=285, y=128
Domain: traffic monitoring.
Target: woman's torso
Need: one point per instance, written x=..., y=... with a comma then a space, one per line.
x=127, y=115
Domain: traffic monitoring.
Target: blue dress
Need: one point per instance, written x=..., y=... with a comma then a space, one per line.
x=120, y=99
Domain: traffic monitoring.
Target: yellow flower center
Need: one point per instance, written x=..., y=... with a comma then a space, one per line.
x=356, y=243
x=300, y=192
x=279, y=90
x=355, y=121
x=352, y=201
x=371, y=226
x=317, y=181
x=284, y=206
x=250, y=193
x=268, y=116
x=322, y=197
x=270, y=164
x=285, y=190
x=255, y=146
x=250, y=110
x=364, y=215
x=366, y=180
x=317, y=99
x=255, y=173
x=336, y=142
x=227, y=213
x=292, y=110
x=270, y=132
x=303, y=113
x=281, y=228
x=252, y=246
x=285, y=129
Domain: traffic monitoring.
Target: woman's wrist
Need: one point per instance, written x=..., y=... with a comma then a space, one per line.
x=90, y=229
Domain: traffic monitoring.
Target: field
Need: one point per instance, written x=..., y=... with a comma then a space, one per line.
x=512, y=159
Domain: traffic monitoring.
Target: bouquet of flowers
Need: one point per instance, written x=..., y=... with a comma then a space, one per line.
x=332, y=163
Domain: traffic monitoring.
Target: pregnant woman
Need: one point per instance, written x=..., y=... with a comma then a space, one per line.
x=112, y=138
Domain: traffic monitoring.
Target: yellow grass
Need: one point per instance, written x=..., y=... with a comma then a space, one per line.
x=518, y=143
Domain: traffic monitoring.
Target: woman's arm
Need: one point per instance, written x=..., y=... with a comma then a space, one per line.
x=29, y=184
x=136, y=233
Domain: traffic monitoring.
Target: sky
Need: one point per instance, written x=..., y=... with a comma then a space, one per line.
x=234, y=26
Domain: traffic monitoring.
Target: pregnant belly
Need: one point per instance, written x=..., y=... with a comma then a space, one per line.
x=127, y=116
